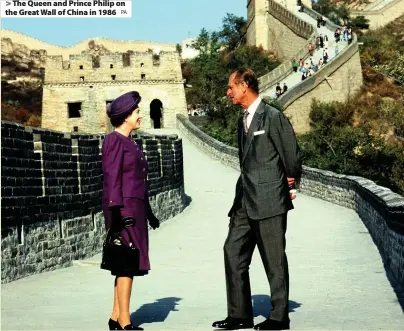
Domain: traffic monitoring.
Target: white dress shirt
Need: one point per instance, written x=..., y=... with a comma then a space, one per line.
x=251, y=110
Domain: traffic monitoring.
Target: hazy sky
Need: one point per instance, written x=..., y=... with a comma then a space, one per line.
x=152, y=20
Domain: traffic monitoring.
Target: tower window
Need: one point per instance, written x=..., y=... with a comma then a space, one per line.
x=74, y=109
x=143, y=76
x=113, y=77
x=111, y=66
x=81, y=78
x=142, y=65
x=75, y=129
x=81, y=67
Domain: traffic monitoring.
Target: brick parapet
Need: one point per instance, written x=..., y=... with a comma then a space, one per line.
x=51, y=194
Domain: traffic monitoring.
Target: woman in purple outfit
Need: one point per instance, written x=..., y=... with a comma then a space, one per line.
x=125, y=200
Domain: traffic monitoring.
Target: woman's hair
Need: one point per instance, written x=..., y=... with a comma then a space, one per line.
x=118, y=121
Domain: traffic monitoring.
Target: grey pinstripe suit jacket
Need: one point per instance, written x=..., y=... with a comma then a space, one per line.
x=266, y=160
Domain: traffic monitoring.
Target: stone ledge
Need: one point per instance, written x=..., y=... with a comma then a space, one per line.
x=115, y=82
x=387, y=203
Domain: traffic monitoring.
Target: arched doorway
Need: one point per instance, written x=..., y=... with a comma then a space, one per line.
x=156, y=113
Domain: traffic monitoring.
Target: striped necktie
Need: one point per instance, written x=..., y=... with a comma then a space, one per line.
x=245, y=122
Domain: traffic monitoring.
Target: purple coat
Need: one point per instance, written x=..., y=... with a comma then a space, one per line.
x=125, y=169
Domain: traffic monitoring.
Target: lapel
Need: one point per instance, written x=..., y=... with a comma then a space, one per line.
x=255, y=124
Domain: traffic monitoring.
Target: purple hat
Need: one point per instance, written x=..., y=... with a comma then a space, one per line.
x=124, y=104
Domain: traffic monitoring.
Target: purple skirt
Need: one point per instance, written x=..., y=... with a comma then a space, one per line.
x=139, y=232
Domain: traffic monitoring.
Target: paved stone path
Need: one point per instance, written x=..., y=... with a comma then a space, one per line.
x=337, y=276
x=296, y=77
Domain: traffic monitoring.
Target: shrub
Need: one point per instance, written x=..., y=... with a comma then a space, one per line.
x=335, y=144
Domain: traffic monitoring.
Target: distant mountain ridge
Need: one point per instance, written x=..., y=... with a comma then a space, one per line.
x=120, y=46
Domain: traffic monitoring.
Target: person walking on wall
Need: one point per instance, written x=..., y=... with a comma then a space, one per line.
x=270, y=163
x=125, y=203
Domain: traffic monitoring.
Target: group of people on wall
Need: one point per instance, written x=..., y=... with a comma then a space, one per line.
x=196, y=110
x=270, y=168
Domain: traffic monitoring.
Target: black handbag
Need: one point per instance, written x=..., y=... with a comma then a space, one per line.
x=116, y=256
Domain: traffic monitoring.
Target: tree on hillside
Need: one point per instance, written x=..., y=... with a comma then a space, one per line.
x=207, y=43
x=335, y=144
x=339, y=13
x=178, y=48
x=233, y=30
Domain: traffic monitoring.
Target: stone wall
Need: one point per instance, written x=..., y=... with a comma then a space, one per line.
x=164, y=65
x=381, y=210
x=274, y=27
x=94, y=98
x=78, y=81
x=199, y=120
x=287, y=33
x=290, y=4
x=339, y=80
x=383, y=16
x=284, y=28
x=226, y=154
x=51, y=195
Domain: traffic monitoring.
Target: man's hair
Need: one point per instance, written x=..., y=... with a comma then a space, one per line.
x=247, y=75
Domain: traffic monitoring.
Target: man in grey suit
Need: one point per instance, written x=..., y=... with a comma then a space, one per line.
x=269, y=164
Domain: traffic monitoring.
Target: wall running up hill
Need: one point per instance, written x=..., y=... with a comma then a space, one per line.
x=381, y=17
x=339, y=80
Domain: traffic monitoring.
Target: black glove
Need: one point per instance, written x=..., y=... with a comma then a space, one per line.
x=116, y=218
x=153, y=221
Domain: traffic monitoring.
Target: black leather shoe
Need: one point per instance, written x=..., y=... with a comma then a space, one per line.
x=113, y=325
x=233, y=323
x=273, y=325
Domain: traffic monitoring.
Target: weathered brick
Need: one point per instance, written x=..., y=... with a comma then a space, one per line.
x=60, y=227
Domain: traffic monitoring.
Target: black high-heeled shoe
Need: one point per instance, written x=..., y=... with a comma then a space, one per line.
x=114, y=325
x=130, y=327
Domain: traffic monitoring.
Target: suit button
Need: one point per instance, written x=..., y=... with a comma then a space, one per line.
x=144, y=169
x=141, y=158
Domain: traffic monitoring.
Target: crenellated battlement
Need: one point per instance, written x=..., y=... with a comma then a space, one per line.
x=114, y=66
x=116, y=58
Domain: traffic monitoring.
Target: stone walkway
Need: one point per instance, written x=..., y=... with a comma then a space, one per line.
x=337, y=276
x=296, y=77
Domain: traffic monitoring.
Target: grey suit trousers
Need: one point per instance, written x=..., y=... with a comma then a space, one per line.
x=269, y=235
